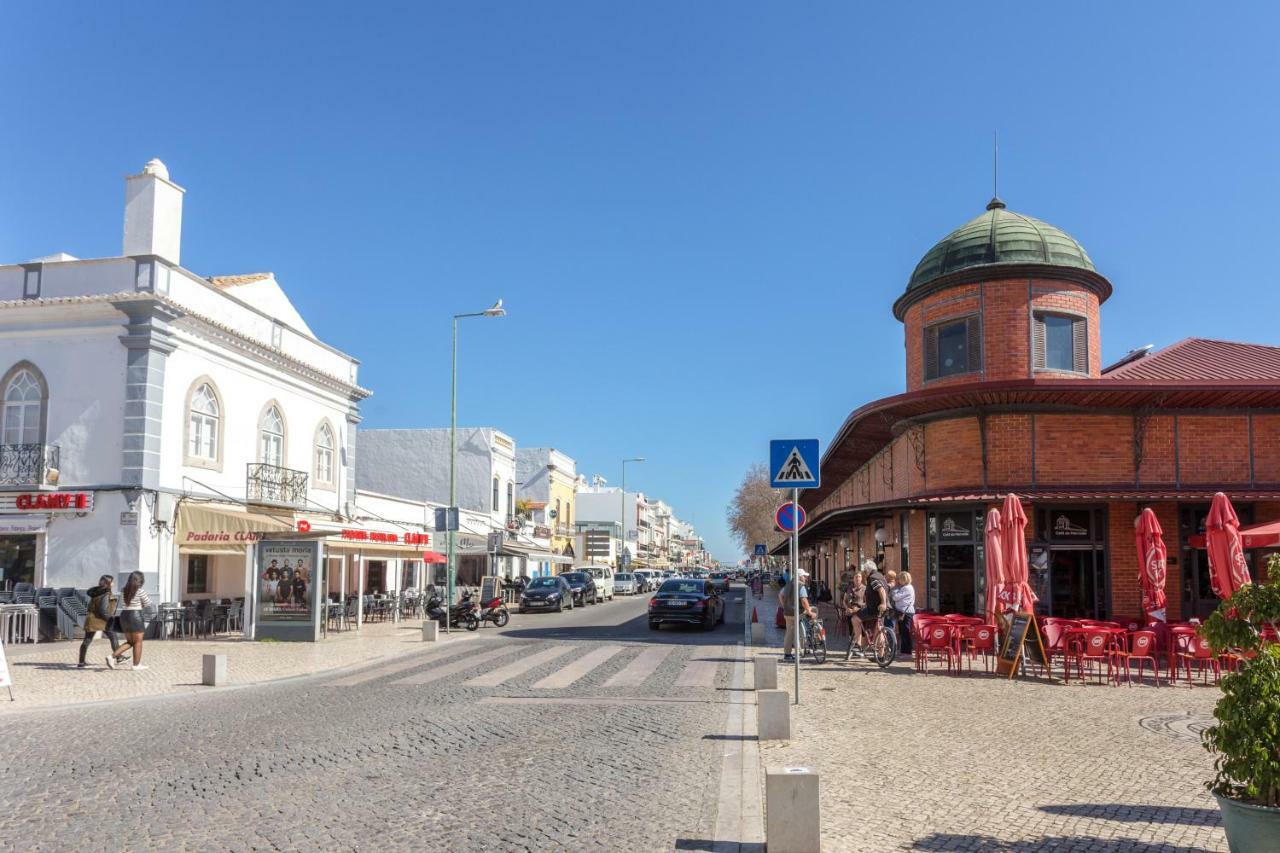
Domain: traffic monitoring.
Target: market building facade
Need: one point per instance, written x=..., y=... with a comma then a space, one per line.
x=1006, y=392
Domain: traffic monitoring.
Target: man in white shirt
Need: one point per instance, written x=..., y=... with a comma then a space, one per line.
x=786, y=598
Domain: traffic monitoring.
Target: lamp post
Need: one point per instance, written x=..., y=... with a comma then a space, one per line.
x=622, y=517
x=495, y=311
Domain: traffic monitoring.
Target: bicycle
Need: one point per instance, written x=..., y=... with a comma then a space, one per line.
x=883, y=631
x=813, y=640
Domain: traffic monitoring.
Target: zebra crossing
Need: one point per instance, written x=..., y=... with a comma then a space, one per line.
x=556, y=665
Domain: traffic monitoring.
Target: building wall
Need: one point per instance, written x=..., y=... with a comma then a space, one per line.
x=414, y=464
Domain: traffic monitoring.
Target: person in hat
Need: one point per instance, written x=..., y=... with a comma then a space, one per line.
x=787, y=599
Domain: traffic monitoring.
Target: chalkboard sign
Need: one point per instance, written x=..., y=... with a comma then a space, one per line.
x=489, y=588
x=1021, y=640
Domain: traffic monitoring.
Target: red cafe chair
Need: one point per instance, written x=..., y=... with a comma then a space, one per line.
x=1196, y=651
x=935, y=639
x=978, y=640
x=1092, y=645
x=1055, y=644
x=1142, y=648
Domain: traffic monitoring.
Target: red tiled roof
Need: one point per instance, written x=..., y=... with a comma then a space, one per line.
x=1202, y=359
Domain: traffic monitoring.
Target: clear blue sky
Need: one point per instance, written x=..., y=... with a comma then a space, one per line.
x=698, y=213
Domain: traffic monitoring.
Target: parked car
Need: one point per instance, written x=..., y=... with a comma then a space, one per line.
x=686, y=601
x=549, y=593
x=625, y=583
x=720, y=580
x=646, y=579
x=582, y=585
x=603, y=576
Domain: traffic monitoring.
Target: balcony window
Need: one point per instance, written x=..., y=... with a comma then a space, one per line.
x=271, y=436
x=23, y=403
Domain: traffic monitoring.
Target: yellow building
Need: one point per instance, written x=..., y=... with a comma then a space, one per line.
x=548, y=482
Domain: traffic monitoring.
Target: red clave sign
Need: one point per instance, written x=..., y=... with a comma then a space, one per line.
x=53, y=500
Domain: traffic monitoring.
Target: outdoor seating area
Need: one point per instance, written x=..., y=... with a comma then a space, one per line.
x=200, y=619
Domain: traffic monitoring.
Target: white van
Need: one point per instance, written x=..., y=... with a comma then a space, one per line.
x=603, y=576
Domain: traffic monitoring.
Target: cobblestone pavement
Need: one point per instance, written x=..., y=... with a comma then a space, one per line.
x=937, y=762
x=552, y=735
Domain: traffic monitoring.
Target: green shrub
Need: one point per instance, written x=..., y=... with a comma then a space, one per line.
x=1246, y=739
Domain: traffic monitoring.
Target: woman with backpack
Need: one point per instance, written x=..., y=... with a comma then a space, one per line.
x=132, y=602
x=102, y=611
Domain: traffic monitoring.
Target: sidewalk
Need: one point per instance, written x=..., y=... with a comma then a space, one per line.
x=45, y=674
x=940, y=762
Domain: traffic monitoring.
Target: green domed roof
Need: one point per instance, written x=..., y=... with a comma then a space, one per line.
x=1000, y=236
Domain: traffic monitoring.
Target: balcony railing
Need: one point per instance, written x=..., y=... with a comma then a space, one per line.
x=28, y=464
x=271, y=484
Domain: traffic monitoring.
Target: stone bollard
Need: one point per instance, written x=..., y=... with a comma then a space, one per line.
x=214, y=670
x=430, y=631
x=773, y=715
x=766, y=673
x=793, y=820
x=757, y=633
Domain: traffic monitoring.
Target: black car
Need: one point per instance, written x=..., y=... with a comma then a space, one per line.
x=583, y=586
x=546, y=594
x=687, y=601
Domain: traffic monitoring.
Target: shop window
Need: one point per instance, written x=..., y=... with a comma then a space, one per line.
x=1060, y=342
x=204, y=416
x=953, y=348
x=325, y=443
x=24, y=399
x=197, y=574
x=271, y=436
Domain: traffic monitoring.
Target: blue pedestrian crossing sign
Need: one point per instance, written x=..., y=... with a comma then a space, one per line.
x=794, y=463
x=760, y=551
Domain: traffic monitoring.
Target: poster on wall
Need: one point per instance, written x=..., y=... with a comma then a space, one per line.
x=287, y=572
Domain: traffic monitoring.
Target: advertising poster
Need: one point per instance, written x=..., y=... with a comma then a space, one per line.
x=287, y=572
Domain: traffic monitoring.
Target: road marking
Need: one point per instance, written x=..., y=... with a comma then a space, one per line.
x=739, y=814
x=644, y=665
x=401, y=665
x=520, y=667
x=626, y=701
x=457, y=666
x=701, y=672
x=577, y=669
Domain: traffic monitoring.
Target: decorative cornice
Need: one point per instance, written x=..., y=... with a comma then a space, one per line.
x=1095, y=282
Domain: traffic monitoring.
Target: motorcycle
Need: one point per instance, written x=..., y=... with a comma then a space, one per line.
x=461, y=615
x=495, y=611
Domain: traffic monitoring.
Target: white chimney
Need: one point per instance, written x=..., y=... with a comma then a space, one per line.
x=153, y=213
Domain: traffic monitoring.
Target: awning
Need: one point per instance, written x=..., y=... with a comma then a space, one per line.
x=1265, y=535
x=434, y=557
x=223, y=528
x=548, y=557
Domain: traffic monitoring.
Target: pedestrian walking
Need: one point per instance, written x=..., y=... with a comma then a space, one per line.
x=101, y=617
x=132, y=601
x=904, y=601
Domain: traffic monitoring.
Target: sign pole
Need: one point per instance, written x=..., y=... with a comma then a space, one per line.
x=795, y=579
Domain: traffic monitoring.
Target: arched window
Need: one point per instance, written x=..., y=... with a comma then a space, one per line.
x=559, y=520
x=202, y=426
x=23, y=405
x=325, y=443
x=271, y=436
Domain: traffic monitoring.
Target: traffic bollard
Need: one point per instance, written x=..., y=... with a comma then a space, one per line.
x=793, y=819
x=766, y=673
x=214, y=670
x=757, y=633
x=430, y=631
x=773, y=715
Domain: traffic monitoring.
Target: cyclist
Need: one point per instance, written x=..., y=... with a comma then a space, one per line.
x=852, y=600
x=879, y=597
x=787, y=599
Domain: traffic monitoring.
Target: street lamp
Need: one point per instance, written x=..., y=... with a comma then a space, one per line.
x=496, y=310
x=622, y=517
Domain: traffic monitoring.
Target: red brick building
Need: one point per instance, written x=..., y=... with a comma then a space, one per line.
x=1006, y=392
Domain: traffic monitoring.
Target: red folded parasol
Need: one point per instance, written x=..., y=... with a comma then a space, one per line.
x=1227, y=568
x=1152, y=564
x=434, y=557
x=1015, y=593
x=995, y=565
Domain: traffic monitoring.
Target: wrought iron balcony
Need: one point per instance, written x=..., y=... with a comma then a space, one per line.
x=29, y=464
x=271, y=484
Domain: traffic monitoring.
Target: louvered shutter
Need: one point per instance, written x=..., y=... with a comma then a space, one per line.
x=1080, y=346
x=973, y=343
x=1037, y=342
x=931, y=353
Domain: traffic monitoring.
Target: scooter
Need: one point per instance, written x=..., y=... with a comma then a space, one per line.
x=461, y=615
x=495, y=611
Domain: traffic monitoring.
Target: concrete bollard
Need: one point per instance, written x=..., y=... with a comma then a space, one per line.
x=793, y=819
x=430, y=631
x=757, y=633
x=214, y=670
x=766, y=673
x=773, y=715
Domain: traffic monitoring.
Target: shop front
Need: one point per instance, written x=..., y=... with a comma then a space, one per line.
x=25, y=520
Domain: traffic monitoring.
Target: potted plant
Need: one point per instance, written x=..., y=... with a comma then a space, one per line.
x=1246, y=738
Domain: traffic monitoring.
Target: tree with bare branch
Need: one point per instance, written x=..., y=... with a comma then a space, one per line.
x=752, y=509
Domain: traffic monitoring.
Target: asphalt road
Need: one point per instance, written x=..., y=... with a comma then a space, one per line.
x=575, y=731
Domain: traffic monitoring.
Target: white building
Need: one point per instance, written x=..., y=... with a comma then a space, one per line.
x=158, y=420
